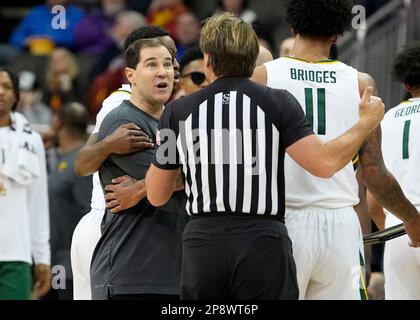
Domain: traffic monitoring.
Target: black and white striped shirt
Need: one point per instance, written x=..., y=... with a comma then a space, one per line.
x=230, y=139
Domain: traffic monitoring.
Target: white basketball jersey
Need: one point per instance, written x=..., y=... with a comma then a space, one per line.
x=328, y=92
x=401, y=146
x=109, y=104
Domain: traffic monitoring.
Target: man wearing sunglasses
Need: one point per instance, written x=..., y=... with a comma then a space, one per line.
x=192, y=74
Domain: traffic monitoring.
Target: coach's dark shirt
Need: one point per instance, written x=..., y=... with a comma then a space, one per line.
x=140, y=248
x=231, y=139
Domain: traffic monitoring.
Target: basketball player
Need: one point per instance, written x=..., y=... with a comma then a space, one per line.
x=320, y=218
x=400, y=141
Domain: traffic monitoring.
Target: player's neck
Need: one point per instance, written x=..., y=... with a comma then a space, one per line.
x=415, y=94
x=5, y=120
x=311, y=50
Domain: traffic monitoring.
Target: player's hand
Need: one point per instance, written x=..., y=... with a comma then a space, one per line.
x=371, y=108
x=124, y=193
x=412, y=227
x=42, y=277
x=128, y=138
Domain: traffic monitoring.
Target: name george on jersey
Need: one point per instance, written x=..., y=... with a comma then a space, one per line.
x=327, y=76
x=406, y=111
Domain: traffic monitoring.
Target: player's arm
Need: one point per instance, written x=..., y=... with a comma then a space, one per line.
x=382, y=184
x=126, y=139
x=363, y=214
x=376, y=211
x=323, y=159
x=385, y=188
x=125, y=192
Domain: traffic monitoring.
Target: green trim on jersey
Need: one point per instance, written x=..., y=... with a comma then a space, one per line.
x=362, y=288
x=121, y=90
x=355, y=162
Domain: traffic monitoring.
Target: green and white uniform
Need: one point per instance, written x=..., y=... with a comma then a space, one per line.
x=24, y=214
x=401, y=152
x=320, y=218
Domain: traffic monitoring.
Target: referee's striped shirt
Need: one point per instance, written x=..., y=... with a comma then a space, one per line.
x=230, y=139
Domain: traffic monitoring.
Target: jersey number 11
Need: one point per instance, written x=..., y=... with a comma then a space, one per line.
x=309, y=105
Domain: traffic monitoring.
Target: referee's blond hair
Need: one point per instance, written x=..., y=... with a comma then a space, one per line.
x=231, y=44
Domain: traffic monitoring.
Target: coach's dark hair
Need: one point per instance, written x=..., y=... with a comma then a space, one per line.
x=406, y=68
x=232, y=45
x=189, y=56
x=15, y=83
x=132, y=54
x=145, y=32
x=319, y=18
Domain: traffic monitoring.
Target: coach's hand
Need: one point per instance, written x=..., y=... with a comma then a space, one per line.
x=128, y=138
x=371, y=108
x=42, y=280
x=124, y=193
x=412, y=227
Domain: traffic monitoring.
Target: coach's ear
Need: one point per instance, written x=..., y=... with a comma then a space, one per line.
x=129, y=73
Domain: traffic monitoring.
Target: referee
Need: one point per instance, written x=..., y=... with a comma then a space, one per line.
x=230, y=139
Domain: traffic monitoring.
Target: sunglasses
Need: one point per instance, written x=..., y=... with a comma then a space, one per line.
x=196, y=77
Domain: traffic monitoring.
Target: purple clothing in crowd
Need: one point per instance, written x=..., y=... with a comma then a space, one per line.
x=91, y=34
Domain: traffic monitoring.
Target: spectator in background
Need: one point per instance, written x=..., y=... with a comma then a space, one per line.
x=61, y=79
x=69, y=194
x=187, y=32
x=239, y=8
x=191, y=67
x=24, y=228
x=139, y=5
x=92, y=33
x=36, y=30
x=163, y=13
x=242, y=10
x=108, y=74
x=30, y=102
x=126, y=22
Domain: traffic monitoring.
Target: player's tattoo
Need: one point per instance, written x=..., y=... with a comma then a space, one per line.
x=380, y=182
